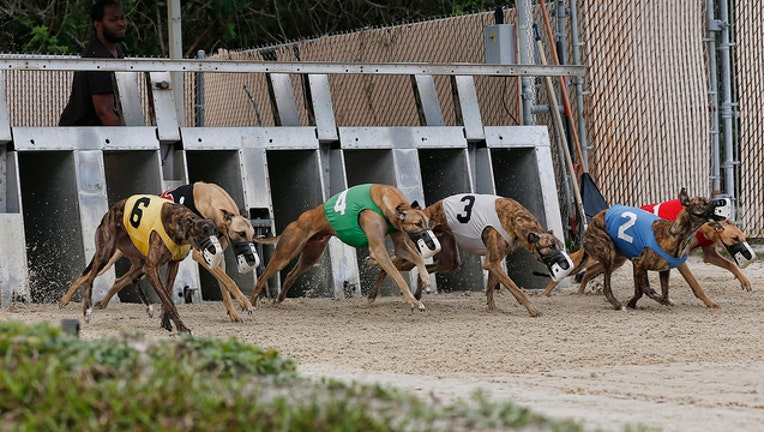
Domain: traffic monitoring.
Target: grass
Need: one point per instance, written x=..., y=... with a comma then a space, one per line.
x=53, y=381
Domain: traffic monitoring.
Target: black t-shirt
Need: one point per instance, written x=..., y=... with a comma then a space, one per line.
x=80, y=110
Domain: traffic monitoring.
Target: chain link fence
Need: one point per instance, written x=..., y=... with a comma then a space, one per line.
x=647, y=113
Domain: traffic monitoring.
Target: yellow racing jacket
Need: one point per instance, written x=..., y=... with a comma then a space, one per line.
x=143, y=214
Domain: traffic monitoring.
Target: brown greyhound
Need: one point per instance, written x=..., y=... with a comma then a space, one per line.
x=210, y=201
x=360, y=216
x=651, y=243
x=489, y=226
x=709, y=237
x=150, y=231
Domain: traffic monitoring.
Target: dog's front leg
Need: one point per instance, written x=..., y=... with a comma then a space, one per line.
x=405, y=249
x=711, y=256
x=684, y=270
x=227, y=288
x=493, y=265
x=374, y=227
x=490, y=289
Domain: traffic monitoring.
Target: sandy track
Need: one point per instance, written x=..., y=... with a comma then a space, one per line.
x=679, y=368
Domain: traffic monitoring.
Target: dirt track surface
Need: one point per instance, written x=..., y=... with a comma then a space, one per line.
x=677, y=368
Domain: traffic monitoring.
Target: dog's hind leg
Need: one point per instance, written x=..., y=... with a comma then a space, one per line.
x=309, y=256
x=595, y=269
x=169, y=311
x=641, y=286
x=695, y=286
x=664, y=298
x=399, y=263
x=133, y=274
x=608, y=291
x=290, y=243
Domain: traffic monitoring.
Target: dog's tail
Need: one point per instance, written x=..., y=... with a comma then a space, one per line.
x=267, y=240
x=89, y=267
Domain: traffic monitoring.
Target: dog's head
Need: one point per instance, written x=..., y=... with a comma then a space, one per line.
x=729, y=236
x=238, y=227
x=414, y=222
x=549, y=250
x=204, y=237
x=703, y=208
x=240, y=232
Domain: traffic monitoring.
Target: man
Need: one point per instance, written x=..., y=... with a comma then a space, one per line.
x=92, y=102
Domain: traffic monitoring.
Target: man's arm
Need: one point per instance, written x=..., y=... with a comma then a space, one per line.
x=104, y=106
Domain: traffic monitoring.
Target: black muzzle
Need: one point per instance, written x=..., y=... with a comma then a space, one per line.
x=742, y=253
x=559, y=265
x=426, y=242
x=212, y=252
x=246, y=257
x=719, y=209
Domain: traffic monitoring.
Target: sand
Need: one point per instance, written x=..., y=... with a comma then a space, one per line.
x=676, y=368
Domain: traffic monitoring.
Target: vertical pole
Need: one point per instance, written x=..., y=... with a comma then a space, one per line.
x=200, y=92
x=578, y=81
x=176, y=52
x=713, y=93
x=524, y=47
x=726, y=106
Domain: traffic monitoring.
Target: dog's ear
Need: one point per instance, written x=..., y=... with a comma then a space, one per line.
x=717, y=226
x=684, y=198
x=400, y=211
x=533, y=237
x=415, y=205
x=227, y=217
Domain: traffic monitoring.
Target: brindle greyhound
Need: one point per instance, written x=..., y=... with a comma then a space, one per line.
x=310, y=233
x=209, y=201
x=518, y=228
x=150, y=231
x=674, y=238
x=727, y=234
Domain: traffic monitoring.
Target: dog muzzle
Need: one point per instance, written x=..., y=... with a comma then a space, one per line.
x=719, y=209
x=426, y=242
x=742, y=253
x=212, y=252
x=559, y=265
x=246, y=257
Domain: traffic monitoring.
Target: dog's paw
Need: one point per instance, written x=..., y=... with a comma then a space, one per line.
x=371, y=261
x=150, y=311
x=86, y=315
x=420, y=308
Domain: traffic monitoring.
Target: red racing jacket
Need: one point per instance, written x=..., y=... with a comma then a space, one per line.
x=669, y=210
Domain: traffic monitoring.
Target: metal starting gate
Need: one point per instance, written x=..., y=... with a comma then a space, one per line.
x=57, y=182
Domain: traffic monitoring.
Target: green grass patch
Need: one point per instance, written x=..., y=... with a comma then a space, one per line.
x=53, y=381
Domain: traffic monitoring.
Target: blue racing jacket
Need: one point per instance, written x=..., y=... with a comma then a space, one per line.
x=631, y=229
